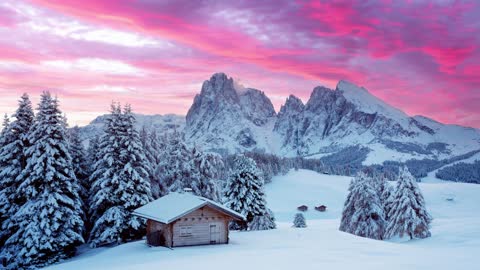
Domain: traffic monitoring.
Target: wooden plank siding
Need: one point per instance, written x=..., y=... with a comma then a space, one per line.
x=159, y=234
x=201, y=227
x=200, y=221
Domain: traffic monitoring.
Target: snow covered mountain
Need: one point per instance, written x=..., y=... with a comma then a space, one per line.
x=226, y=118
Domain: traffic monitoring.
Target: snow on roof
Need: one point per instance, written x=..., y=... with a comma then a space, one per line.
x=175, y=205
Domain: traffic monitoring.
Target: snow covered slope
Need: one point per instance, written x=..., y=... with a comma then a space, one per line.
x=160, y=123
x=455, y=241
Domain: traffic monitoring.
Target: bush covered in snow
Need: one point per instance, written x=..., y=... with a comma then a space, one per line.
x=299, y=221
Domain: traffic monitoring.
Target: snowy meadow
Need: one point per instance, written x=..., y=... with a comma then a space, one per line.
x=454, y=244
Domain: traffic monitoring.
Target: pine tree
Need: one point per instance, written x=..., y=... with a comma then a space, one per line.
x=81, y=171
x=6, y=134
x=148, y=149
x=244, y=191
x=174, y=172
x=205, y=174
x=49, y=222
x=103, y=176
x=386, y=198
x=79, y=161
x=368, y=220
x=408, y=215
x=154, y=151
x=384, y=192
x=363, y=213
x=299, y=221
x=121, y=182
x=263, y=222
x=93, y=153
x=12, y=162
x=137, y=190
x=5, y=127
x=6, y=137
x=349, y=206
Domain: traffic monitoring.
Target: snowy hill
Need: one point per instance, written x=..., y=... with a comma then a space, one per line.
x=160, y=123
x=455, y=241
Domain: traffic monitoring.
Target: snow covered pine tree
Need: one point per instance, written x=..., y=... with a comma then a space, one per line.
x=49, y=223
x=12, y=162
x=205, y=173
x=244, y=194
x=154, y=149
x=363, y=212
x=175, y=168
x=349, y=207
x=408, y=215
x=263, y=222
x=299, y=221
x=5, y=139
x=386, y=197
x=121, y=182
x=80, y=166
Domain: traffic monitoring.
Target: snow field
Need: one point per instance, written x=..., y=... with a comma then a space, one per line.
x=455, y=241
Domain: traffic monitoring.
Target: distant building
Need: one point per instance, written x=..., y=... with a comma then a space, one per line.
x=302, y=208
x=183, y=219
x=321, y=208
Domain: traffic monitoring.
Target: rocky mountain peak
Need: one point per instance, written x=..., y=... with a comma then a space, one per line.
x=227, y=116
x=256, y=106
x=292, y=104
x=323, y=98
x=219, y=87
x=224, y=116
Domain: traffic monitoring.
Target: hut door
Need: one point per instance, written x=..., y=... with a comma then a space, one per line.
x=214, y=233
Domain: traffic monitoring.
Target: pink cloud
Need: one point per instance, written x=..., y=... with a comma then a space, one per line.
x=423, y=62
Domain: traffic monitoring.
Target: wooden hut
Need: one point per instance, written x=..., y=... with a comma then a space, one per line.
x=183, y=219
x=321, y=208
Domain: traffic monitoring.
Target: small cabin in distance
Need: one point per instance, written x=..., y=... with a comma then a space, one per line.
x=183, y=219
x=302, y=208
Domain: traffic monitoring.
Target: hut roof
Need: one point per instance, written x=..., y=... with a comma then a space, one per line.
x=176, y=205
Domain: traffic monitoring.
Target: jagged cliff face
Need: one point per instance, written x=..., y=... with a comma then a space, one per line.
x=331, y=116
x=224, y=119
x=232, y=120
x=288, y=124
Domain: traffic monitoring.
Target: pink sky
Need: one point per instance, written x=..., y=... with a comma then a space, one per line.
x=421, y=57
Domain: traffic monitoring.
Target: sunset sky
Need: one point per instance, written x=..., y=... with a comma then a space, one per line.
x=421, y=57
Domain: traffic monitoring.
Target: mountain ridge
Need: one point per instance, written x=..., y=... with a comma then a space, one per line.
x=228, y=118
